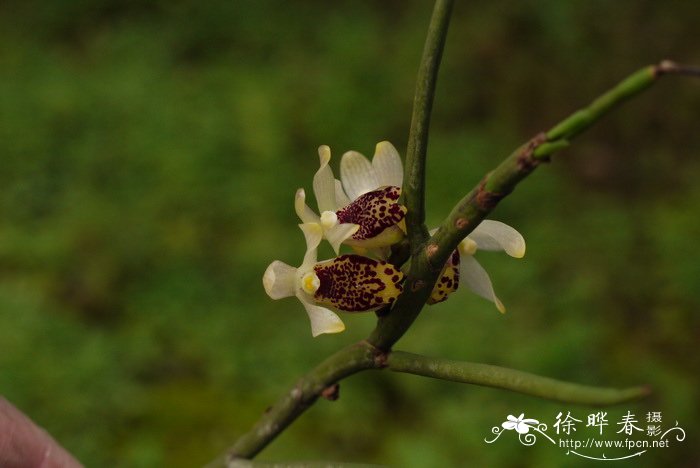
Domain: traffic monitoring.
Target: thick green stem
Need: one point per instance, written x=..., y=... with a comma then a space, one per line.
x=303, y=394
x=414, y=176
x=510, y=379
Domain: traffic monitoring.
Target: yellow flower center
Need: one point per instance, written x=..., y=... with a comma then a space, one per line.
x=310, y=282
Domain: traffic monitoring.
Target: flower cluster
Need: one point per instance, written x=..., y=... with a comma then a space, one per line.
x=362, y=210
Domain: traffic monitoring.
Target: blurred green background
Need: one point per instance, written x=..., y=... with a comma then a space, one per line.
x=149, y=156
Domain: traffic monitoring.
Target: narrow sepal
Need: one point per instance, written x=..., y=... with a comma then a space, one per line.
x=306, y=214
x=324, y=182
x=473, y=275
x=495, y=235
x=322, y=319
x=313, y=233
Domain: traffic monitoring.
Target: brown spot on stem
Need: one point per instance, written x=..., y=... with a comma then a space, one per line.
x=461, y=223
x=526, y=160
x=380, y=360
x=417, y=285
x=431, y=249
x=332, y=392
x=485, y=200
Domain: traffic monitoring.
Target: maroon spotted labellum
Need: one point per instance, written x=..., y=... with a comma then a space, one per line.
x=378, y=214
x=354, y=283
x=448, y=281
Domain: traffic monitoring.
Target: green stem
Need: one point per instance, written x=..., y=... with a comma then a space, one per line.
x=414, y=176
x=584, y=118
x=390, y=327
x=510, y=379
x=303, y=394
x=497, y=184
x=634, y=84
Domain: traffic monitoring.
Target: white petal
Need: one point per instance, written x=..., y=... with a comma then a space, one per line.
x=495, y=235
x=324, y=182
x=313, y=233
x=305, y=213
x=475, y=278
x=341, y=199
x=338, y=233
x=387, y=165
x=508, y=425
x=279, y=280
x=322, y=319
x=357, y=174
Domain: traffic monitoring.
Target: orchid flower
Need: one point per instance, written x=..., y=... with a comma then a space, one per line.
x=371, y=191
x=368, y=220
x=350, y=283
x=463, y=267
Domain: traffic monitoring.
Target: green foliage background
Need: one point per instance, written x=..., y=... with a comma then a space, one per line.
x=149, y=156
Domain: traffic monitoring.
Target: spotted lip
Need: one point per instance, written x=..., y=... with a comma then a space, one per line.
x=374, y=212
x=448, y=282
x=354, y=283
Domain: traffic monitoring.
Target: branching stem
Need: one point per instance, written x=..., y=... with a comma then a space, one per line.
x=304, y=393
x=428, y=255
